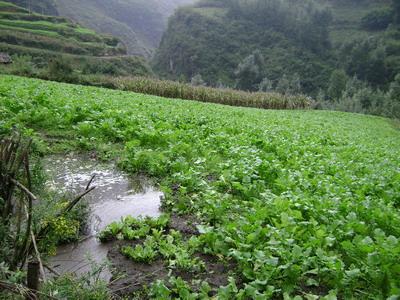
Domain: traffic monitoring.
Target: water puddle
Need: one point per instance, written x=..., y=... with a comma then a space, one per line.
x=116, y=195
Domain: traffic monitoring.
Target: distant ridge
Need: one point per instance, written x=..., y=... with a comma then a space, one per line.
x=139, y=24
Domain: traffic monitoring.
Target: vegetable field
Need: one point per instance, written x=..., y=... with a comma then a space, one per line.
x=298, y=204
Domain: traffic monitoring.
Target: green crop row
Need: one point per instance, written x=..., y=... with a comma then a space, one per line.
x=306, y=203
x=54, y=42
x=49, y=28
x=25, y=16
x=9, y=7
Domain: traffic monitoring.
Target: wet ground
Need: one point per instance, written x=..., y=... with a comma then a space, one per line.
x=116, y=195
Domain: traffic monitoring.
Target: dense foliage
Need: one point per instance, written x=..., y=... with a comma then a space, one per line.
x=287, y=46
x=213, y=37
x=306, y=203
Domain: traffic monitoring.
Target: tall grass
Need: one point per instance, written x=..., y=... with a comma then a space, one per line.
x=172, y=89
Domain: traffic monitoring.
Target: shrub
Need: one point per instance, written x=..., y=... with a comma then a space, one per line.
x=337, y=84
x=22, y=65
x=377, y=19
x=197, y=80
x=60, y=69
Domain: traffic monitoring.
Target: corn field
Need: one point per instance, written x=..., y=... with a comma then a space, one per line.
x=173, y=89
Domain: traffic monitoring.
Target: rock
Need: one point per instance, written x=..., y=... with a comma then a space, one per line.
x=5, y=58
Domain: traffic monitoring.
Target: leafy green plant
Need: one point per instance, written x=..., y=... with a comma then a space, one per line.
x=305, y=203
x=131, y=228
x=177, y=288
x=141, y=253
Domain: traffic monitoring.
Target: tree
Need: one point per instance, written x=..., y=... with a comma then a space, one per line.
x=289, y=84
x=197, y=80
x=352, y=87
x=396, y=7
x=366, y=59
x=265, y=85
x=60, y=69
x=250, y=71
x=378, y=19
x=365, y=97
x=394, y=90
x=337, y=84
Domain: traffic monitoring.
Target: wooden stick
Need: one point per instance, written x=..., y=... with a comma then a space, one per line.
x=38, y=256
x=76, y=200
x=24, y=189
x=90, y=182
x=51, y=270
x=19, y=289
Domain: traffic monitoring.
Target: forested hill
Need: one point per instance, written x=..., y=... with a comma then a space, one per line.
x=314, y=47
x=138, y=23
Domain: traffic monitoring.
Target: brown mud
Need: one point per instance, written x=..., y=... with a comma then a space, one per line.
x=131, y=277
x=118, y=195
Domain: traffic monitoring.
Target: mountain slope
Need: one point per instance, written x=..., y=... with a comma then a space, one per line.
x=347, y=16
x=45, y=7
x=213, y=38
x=138, y=23
x=18, y=27
x=288, y=46
x=37, y=41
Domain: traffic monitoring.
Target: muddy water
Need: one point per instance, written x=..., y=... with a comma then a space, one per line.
x=116, y=195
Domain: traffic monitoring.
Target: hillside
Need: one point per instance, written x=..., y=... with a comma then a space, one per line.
x=19, y=28
x=138, y=23
x=273, y=204
x=37, y=40
x=213, y=38
x=289, y=46
x=44, y=7
x=347, y=15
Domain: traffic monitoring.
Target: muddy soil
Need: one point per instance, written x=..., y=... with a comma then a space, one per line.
x=118, y=195
x=130, y=277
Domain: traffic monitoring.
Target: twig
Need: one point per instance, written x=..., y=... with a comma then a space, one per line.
x=24, y=189
x=44, y=229
x=51, y=270
x=22, y=290
x=25, y=243
x=38, y=256
x=76, y=200
x=17, y=289
x=90, y=182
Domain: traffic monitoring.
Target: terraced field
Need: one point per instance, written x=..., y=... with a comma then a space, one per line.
x=293, y=204
x=18, y=27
